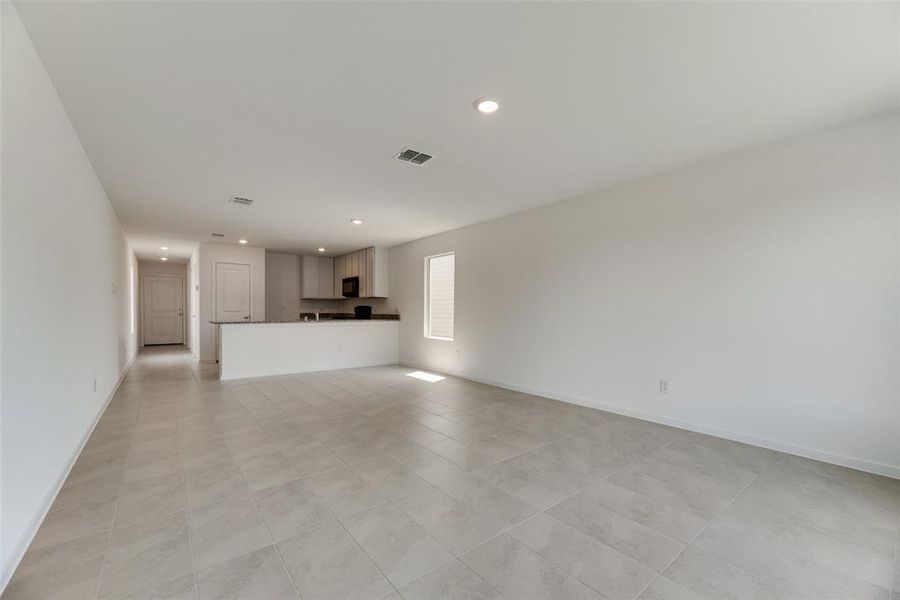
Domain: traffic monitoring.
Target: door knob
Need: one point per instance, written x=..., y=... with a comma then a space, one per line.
x=180, y=312
x=246, y=317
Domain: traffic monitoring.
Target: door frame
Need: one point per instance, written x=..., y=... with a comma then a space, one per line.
x=184, y=305
x=215, y=294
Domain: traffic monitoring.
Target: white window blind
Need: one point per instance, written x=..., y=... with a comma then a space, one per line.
x=439, y=276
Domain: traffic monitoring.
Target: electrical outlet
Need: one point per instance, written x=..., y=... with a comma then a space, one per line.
x=663, y=386
x=458, y=354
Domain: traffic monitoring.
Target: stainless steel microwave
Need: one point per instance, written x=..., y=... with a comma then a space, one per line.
x=350, y=288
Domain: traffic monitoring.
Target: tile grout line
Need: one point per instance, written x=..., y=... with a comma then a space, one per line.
x=708, y=523
x=829, y=533
x=546, y=513
x=431, y=537
x=187, y=505
x=259, y=514
x=352, y=537
x=187, y=512
x=453, y=557
x=456, y=557
x=895, y=583
x=345, y=466
x=112, y=522
x=707, y=526
x=606, y=478
x=390, y=501
x=363, y=550
x=556, y=566
x=386, y=501
x=346, y=385
x=122, y=483
x=749, y=483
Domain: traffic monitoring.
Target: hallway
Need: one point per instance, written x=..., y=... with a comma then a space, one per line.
x=367, y=483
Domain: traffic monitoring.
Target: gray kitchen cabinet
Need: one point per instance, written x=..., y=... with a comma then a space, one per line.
x=370, y=265
x=326, y=277
x=354, y=264
x=338, y=275
x=363, y=274
x=317, y=277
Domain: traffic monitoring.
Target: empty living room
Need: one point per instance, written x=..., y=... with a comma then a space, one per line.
x=449, y=300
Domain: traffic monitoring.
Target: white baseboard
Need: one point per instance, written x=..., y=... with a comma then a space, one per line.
x=851, y=462
x=25, y=541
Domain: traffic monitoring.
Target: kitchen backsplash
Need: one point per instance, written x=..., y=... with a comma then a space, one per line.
x=346, y=305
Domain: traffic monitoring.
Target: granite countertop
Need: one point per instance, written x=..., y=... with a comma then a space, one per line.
x=323, y=318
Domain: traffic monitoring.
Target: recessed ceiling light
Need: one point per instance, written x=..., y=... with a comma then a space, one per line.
x=242, y=241
x=486, y=105
x=163, y=258
x=321, y=249
x=163, y=247
x=356, y=221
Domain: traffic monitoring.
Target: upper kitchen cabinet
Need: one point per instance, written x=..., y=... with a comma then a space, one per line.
x=339, y=274
x=370, y=265
x=318, y=278
x=377, y=263
x=326, y=277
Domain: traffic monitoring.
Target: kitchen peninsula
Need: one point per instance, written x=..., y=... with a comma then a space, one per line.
x=257, y=349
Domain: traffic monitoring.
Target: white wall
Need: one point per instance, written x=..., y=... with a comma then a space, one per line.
x=66, y=308
x=157, y=267
x=209, y=255
x=763, y=285
x=282, y=286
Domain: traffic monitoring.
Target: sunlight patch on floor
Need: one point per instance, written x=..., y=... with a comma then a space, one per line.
x=429, y=377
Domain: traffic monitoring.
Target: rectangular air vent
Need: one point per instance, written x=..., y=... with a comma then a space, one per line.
x=241, y=200
x=218, y=235
x=413, y=156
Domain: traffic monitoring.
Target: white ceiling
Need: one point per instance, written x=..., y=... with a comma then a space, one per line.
x=302, y=106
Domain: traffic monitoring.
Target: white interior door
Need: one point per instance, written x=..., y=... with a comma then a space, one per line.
x=163, y=301
x=232, y=292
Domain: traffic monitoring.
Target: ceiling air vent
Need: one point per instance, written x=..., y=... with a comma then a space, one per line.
x=218, y=235
x=413, y=156
x=241, y=200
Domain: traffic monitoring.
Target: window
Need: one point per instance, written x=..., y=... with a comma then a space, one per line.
x=439, y=275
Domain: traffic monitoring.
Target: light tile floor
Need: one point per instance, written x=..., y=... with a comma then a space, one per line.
x=368, y=484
